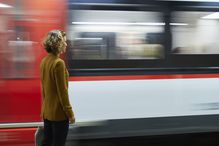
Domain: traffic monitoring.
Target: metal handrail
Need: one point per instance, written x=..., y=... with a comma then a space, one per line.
x=40, y=124
x=20, y=125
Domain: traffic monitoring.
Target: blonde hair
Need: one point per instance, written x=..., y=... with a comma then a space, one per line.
x=53, y=41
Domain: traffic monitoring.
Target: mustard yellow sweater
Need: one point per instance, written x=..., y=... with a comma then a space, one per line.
x=54, y=79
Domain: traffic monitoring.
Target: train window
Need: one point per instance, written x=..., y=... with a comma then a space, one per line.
x=20, y=56
x=113, y=35
x=22, y=59
x=195, y=32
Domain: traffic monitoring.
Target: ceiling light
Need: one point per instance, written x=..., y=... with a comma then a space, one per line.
x=179, y=24
x=128, y=23
x=118, y=23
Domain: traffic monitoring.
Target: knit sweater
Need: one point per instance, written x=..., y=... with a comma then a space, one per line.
x=54, y=79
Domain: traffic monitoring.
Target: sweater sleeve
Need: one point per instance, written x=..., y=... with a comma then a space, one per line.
x=41, y=78
x=62, y=88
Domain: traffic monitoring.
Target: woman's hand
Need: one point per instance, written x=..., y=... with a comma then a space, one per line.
x=71, y=120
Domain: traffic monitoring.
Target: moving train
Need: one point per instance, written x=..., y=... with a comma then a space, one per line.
x=136, y=68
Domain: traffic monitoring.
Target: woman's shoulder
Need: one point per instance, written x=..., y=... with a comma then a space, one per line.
x=59, y=62
x=42, y=61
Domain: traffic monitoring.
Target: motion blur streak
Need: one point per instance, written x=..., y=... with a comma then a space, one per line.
x=23, y=24
x=20, y=136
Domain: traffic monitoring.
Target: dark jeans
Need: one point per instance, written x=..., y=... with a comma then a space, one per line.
x=55, y=132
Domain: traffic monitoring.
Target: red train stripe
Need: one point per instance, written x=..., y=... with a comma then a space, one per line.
x=18, y=137
x=17, y=129
x=142, y=77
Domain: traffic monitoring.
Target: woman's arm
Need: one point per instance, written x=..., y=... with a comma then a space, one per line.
x=62, y=89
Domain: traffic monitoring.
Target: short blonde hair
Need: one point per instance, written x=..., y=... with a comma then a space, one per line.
x=53, y=41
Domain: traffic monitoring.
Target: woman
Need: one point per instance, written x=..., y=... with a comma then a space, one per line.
x=56, y=109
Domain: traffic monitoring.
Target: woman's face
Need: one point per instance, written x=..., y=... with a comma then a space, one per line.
x=64, y=45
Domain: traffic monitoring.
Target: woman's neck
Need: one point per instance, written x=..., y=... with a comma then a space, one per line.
x=56, y=55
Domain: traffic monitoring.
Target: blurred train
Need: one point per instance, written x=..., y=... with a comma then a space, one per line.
x=136, y=68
